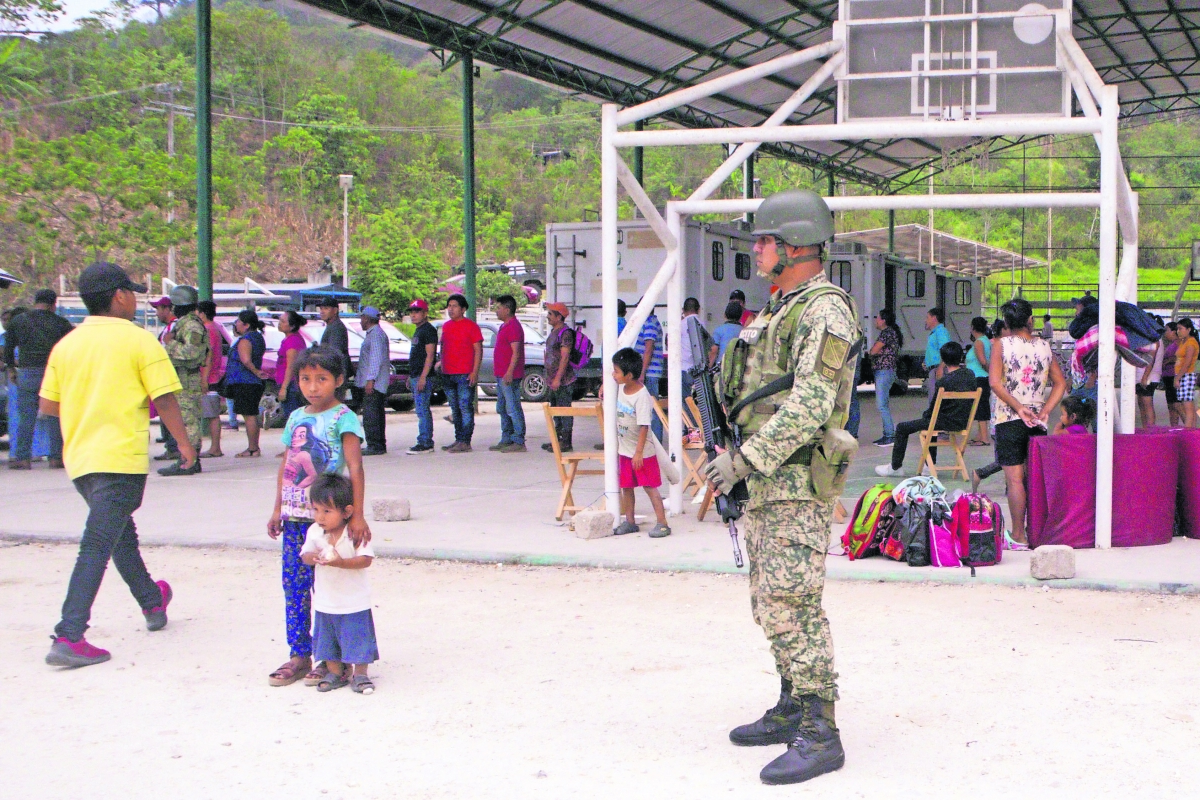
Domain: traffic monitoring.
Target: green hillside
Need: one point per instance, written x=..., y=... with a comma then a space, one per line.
x=298, y=100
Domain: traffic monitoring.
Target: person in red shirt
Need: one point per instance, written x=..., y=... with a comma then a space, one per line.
x=462, y=354
x=510, y=369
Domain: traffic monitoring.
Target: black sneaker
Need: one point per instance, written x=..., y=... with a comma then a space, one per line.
x=419, y=449
x=884, y=441
x=374, y=451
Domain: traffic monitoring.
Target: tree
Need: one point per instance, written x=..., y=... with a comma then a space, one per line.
x=23, y=13
x=294, y=156
x=492, y=283
x=390, y=267
x=16, y=77
x=102, y=190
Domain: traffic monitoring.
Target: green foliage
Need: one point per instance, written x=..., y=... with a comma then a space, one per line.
x=490, y=284
x=24, y=13
x=99, y=190
x=390, y=266
x=16, y=74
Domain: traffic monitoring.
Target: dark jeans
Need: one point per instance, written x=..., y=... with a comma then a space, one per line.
x=168, y=440
x=374, y=421
x=655, y=423
x=424, y=412
x=110, y=533
x=461, y=396
x=29, y=383
x=903, y=431
x=564, y=427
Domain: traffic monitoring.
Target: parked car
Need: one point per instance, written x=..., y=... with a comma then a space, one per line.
x=534, y=385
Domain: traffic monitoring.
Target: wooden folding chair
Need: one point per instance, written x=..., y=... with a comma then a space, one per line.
x=568, y=464
x=958, y=439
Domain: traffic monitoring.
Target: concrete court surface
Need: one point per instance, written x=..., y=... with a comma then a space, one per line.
x=486, y=506
x=518, y=682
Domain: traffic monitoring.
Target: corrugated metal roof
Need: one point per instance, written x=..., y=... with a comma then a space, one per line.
x=629, y=51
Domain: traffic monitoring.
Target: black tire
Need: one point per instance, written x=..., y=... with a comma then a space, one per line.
x=490, y=391
x=534, y=387
x=438, y=398
x=400, y=402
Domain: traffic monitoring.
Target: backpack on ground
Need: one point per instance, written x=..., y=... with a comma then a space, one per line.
x=581, y=349
x=943, y=544
x=978, y=524
x=861, y=538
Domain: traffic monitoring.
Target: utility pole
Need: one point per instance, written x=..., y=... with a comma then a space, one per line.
x=347, y=183
x=1050, y=226
x=171, y=194
x=468, y=125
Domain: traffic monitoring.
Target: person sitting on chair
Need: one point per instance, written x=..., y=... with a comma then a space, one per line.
x=953, y=415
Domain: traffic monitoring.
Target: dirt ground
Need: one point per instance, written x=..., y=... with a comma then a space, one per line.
x=554, y=683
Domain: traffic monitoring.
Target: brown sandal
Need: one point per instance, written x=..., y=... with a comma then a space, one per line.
x=248, y=453
x=317, y=674
x=288, y=673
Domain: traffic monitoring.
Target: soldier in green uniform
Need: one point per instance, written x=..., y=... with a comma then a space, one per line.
x=187, y=345
x=786, y=383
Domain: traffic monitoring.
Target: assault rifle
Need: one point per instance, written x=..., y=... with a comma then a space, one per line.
x=718, y=435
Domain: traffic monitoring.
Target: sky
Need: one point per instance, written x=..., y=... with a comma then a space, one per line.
x=75, y=9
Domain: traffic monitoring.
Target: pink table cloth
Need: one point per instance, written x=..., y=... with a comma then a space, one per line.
x=1146, y=475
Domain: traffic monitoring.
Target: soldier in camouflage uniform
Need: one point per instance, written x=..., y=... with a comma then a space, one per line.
x=786, y=383
x=187, y=344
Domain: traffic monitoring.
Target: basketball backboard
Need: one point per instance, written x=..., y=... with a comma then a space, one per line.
x=950, y=60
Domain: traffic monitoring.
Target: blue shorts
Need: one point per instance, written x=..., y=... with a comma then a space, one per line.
x=348, y=638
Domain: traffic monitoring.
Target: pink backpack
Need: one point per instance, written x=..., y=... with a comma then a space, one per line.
x=943, y=544
x=978, y=525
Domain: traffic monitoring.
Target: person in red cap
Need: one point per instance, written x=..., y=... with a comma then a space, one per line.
x=421, y=359
x=561, y=392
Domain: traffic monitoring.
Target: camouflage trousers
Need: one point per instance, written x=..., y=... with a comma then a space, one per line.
x=189, y=403
x=787, y=579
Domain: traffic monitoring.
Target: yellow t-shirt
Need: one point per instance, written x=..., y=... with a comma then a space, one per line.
x=102, y=375
x=1185, y=356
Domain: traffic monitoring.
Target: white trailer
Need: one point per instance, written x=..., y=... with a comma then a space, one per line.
x=719, y=258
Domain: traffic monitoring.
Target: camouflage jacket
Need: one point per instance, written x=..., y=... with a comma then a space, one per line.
x=826, y=323
x=189, y=345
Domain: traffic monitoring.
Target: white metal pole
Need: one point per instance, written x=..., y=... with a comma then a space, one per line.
x=171, y=194
x=1127, y=289
x=1109, y=156
x=690, y=94
x=899, y=202
x=345, y=236
x=674, y=375
x=634, y=322
x=848, y=131
x=608, y=278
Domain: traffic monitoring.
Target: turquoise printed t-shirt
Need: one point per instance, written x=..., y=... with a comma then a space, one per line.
x=933, y=348
x=314, y=447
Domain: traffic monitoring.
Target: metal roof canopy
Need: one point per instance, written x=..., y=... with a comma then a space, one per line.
x=949, y=251
x=628, y=52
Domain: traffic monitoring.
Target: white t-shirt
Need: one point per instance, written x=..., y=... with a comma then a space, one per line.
x=633, y=412
x=338, y=590
x=1156, y=367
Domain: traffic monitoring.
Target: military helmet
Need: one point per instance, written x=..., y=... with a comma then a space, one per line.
x=184, y=296
x=799, y=217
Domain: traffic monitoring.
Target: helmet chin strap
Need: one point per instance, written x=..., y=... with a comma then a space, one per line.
x=783, y=260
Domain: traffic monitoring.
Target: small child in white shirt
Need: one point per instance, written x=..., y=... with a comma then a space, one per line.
x=343, y=628
x=635, y=412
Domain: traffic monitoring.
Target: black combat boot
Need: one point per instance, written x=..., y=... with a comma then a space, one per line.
x=778, y=726
x=815, y=750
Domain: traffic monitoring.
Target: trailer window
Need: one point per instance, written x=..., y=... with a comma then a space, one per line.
x=962, y=293
x=718, y=261
x=839, y=274
x=916, y=282
x=741, y=266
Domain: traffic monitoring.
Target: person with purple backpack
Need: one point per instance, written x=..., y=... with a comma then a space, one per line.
x=561, y=392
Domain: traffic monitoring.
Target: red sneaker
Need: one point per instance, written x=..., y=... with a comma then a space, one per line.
x=65, y=653
x=156, y=618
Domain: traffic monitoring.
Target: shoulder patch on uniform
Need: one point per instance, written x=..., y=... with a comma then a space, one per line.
x=832, y=355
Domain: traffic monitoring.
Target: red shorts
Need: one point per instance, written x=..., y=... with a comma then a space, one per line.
x=648, y=476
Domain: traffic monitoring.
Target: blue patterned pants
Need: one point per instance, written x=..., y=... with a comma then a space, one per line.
x=297, y=588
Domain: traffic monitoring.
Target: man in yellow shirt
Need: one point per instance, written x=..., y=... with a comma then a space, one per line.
x=98, y=382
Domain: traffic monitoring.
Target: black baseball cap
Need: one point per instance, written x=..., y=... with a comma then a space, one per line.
x=101, y=276
x=327, y=302
x=737, y=294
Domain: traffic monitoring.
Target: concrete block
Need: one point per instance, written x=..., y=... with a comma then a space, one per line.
x=396, y=510
x=1052, y=562
x=592, y=524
